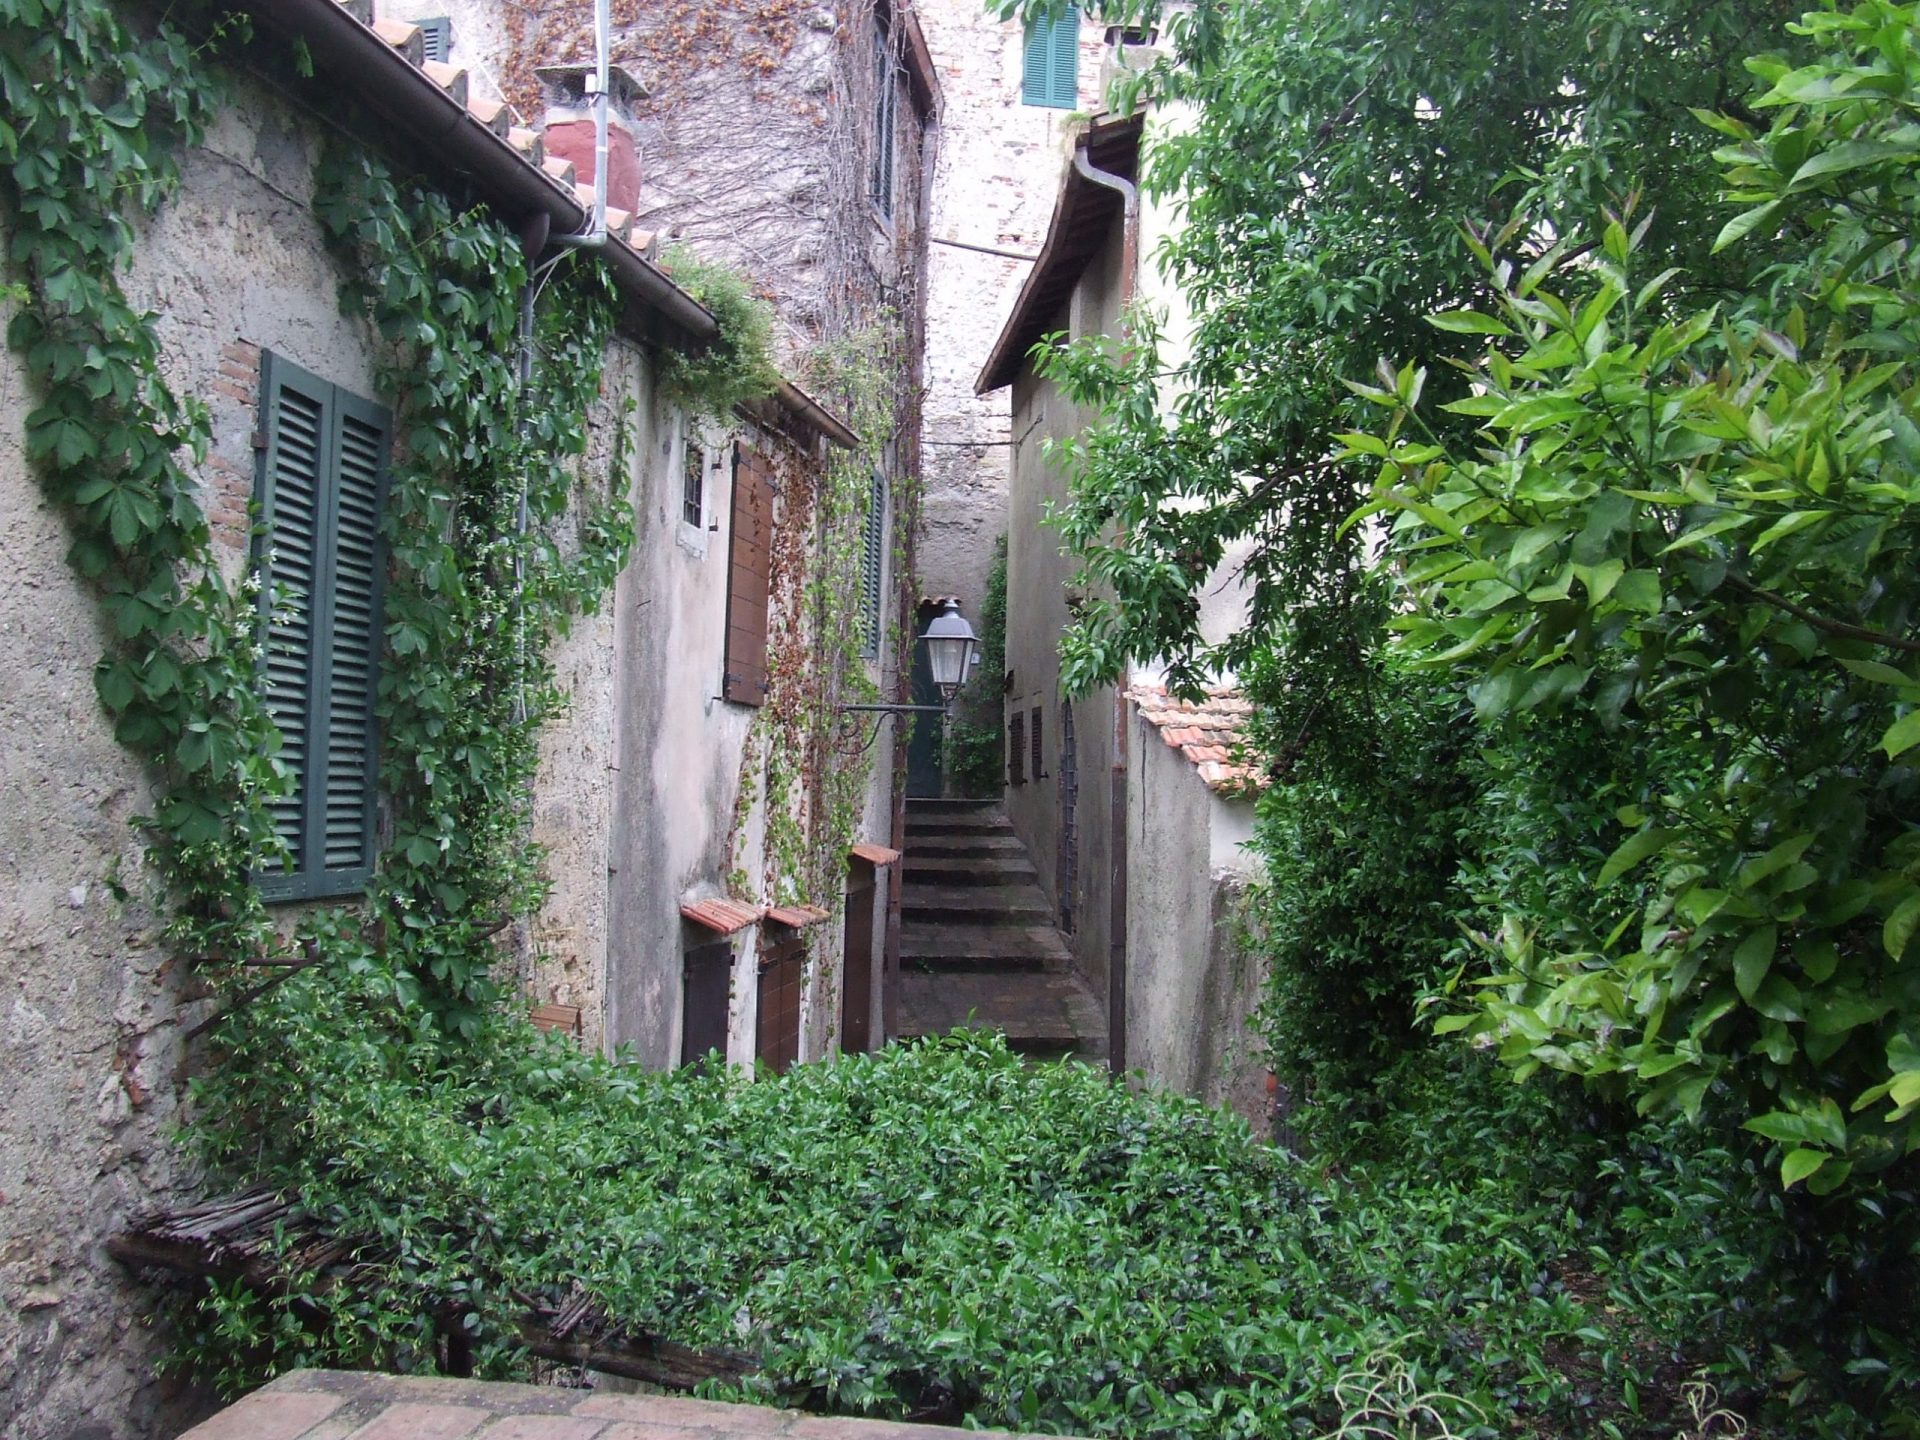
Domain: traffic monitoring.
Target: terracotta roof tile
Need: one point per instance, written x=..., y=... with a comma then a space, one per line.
x=1211, y=735
x=560, y=170
x=491, y=113
x=797, y=915
x=720, y=915
x=874, y=854
x=405, y=38
x=562, y=1018
x=449, y=78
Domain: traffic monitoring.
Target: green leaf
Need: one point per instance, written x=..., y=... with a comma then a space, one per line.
x=1902, y=735
x=1631, y=852
x=1639, y=590
x=1745, y=223
x=1898, y=929
x=1798, y=1165
x=1751, y=959
x=1790, y=524
x=1468, y=322
x=1849, y=155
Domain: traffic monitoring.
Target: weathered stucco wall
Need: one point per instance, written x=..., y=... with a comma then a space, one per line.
x=1192, y=986
x=1039, y=607
x=92, y=1033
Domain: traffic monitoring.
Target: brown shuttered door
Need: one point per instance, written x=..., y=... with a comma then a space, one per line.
x=783, y=963
x=752, y=552
x=856, y=984
x=705, y=981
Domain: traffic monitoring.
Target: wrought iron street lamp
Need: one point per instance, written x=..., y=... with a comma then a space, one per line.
x=951, y=648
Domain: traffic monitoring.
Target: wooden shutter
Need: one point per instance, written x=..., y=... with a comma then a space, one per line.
x=783, y=964
x=706, y=982
x=353, y=650
x=1063, y=84
x=1039, y=747
x=745, y=680
x=1050, y=63
x=322, y=481
x=856, y=980
x=873, y=565
x=1017, y=749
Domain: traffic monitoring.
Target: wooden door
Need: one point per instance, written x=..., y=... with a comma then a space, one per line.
x=783, y=965
x=856, y=981
x=706, y=976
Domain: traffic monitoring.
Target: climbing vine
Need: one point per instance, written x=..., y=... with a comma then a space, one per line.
x=493, y=545
x=806, y=762
x=94, y=117
x=737, y=368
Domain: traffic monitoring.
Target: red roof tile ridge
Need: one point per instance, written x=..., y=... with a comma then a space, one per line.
x=719, y=914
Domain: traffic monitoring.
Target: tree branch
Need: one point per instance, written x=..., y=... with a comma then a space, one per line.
x=1840, y=629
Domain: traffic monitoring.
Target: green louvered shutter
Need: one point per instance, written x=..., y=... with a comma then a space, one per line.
x=354, y=652
x=436, y=38
x=1050, y=69
x=322, y=477
x=292, y=494
x=873, y=566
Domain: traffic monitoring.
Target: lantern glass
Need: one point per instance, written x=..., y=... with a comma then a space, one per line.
x=950, y=645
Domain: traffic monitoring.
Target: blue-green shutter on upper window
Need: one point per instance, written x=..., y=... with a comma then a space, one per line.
x=873, y=562
x=436, y=38
x=322, y=485
x=1050, y=68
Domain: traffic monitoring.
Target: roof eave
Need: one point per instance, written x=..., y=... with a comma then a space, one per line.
x=1017, y=336
x=354, y=56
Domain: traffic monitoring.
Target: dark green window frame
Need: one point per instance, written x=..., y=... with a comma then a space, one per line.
x=873, y=565
x=320, y=491
x=886, y=111
x=1050, y=61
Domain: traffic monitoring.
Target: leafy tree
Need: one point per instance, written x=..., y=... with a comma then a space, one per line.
x=1323, y=156
x=1329, y=153
x=1697, y=525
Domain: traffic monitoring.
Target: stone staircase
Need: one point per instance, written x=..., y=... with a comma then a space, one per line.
x=977, y=941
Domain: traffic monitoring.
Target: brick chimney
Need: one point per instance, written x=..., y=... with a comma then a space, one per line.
x=568, y=131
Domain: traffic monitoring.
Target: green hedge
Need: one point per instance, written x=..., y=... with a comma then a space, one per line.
x=944, y=1229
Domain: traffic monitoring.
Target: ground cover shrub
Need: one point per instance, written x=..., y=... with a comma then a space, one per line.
x=946, y=1231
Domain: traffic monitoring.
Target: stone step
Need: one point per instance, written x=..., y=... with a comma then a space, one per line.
x=983, y=947
x=967, y=847
x=1005, y=870
x=1046, y=1014
x=922, y=805
x=958, y=825
x=975, y=905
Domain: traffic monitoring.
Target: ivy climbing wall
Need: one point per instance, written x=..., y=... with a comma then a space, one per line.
x=93, y=1032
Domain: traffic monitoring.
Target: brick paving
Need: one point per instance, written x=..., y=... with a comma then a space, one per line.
x=343, y=1405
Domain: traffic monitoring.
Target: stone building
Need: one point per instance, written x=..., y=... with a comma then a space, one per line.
x=647, y=797
x=1004, y=128
x=1140, y=845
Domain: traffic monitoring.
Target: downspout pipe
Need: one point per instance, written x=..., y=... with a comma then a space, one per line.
x=1118, y=802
